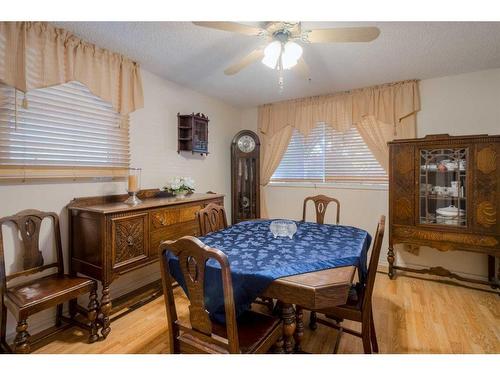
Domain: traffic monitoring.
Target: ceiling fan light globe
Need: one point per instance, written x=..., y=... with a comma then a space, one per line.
x=293, y=51
x=272, y=54
x=291, y=55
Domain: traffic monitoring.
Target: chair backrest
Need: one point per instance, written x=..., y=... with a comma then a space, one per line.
x=28, y=224
x=372, y=266
x=320, y=204
x=192, y=255
x=211, y=219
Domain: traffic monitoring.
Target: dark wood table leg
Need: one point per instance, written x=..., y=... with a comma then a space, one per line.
x=278, y=346
x=105, y=311
x=299, y=330
x=288, y=316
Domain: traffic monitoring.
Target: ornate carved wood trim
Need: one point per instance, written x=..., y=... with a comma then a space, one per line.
x=130, y=239
x=438, y=236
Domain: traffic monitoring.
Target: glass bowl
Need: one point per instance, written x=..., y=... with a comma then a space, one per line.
x=283, y=228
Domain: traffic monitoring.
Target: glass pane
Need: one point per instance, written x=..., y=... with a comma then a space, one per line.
x=443, y=184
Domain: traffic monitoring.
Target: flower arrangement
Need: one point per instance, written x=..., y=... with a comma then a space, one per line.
x=180, y=186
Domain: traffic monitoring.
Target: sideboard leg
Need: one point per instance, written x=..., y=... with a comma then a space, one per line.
x=93, y=308
x=105, y=311
x=390, y=258
x=288, y=316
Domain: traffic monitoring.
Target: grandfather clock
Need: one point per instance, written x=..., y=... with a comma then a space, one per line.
x=245, y=176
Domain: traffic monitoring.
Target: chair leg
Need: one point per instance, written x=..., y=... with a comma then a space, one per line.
x=93, y=309
x=269, y=304
x=365, y=336
x=59, y=315
x=21, y=342
x=72, y=308
x=373, y=335
x=4, y=348
x=337, y=341
x=312, y=321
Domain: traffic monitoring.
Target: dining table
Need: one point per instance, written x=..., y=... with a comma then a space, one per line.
x=313, y=269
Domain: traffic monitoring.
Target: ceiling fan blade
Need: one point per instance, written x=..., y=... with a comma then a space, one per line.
x=303, y=69
x=231, y=26
x=344, y=35
x=244, y=62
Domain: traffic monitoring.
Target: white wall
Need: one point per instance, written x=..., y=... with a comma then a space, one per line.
x=460, y=104
x=153, y=138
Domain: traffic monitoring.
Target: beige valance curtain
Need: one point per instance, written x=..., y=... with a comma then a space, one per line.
x=38, y=55
x=387, y=103
x=380, y=113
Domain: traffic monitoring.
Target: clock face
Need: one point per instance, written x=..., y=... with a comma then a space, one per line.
x=246, y=144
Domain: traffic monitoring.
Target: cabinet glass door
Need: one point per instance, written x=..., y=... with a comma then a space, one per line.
x=442, y=188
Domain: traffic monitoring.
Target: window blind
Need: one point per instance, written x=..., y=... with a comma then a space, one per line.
x=61, y=131
x=327, y=155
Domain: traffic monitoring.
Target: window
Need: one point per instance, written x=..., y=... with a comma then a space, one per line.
x=62, y=131
x=327, y=155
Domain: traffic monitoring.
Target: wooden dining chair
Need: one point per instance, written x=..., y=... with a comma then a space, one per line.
x=359, y=304
x=211, y=219
x=321, y=203
x=27, y=298
x=252, y=333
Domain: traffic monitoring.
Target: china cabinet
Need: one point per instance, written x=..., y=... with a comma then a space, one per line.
x=444, y=193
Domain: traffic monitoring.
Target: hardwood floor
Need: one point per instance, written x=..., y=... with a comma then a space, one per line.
x=412, y=315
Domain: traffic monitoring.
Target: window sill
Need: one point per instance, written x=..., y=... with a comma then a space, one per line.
x=332, y=185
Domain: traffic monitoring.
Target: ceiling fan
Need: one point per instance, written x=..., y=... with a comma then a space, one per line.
x=282, y=47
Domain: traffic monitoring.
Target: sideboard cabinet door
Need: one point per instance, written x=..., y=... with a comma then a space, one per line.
x=129, y=241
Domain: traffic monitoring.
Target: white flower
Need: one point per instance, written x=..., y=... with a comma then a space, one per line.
x=189, y=182
x=180, y=183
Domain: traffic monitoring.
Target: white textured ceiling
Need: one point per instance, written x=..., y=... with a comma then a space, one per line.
x=195, y=57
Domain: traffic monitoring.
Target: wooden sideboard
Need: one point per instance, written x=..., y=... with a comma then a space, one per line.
x=108, y=238
x=433, y=176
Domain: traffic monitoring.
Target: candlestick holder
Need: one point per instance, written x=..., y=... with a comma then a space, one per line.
x=134, y=186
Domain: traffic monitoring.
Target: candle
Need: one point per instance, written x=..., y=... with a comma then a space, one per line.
x=133, y=183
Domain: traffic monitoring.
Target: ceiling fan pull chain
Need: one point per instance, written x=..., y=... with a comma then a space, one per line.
x=281, y=80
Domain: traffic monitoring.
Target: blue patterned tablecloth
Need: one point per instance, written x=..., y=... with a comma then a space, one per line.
x=257, y=258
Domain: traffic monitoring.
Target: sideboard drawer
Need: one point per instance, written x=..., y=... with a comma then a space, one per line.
x=169, y=216
x=130, y=242
x=172, y=232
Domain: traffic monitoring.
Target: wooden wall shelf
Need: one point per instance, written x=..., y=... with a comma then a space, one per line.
x=192, y=133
